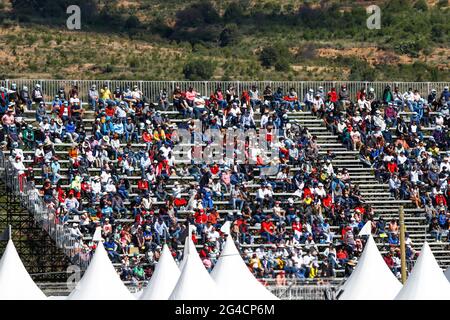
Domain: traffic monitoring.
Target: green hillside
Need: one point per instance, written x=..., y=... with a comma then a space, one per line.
x=242, y=40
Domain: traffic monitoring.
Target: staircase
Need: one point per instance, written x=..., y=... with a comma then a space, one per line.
x=373, y=192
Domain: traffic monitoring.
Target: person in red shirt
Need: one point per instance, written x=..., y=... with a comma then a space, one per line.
x=143, y=185
x=110, y=110
x=65, y=112
x=392, y=166
x=200, y=219
x=215, y=169
x=342, y=256
x=440, y=199
x=332, y=94
x=267, y=230
x=389, y=260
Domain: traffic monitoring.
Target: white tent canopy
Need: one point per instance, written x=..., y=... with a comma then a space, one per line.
x=372, y=279
x=426, y=281
x=15, y=282
x=100, y=281
x=194, y=283
x=234, y=279
x=447, y=273
x=186, y=247
x=164, y=278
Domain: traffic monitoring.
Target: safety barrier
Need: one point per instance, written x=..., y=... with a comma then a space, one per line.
x=152, y=89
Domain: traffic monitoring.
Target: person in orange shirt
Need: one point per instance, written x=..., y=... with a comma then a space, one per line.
x=73, y=153
x=148, y=138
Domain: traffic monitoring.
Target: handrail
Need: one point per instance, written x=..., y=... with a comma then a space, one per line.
x=44, y=216
x=151, y=89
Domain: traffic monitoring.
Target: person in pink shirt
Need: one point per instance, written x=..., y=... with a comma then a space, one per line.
x=190, y=96
x=8, y=120
x=219, y=97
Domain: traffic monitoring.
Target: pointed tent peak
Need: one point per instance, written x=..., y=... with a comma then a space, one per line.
x=185, y=252
x=187, y=287
x=15, y=281
x=97, y=234
x=372, y=279
x=164, y=278
x=100, y=281
x=230, y=247
x=366, y=230
x=233, y=278
x=426, y=258
x=426, y=281
x=426, y=250
x=226, y=227
x=165, y=251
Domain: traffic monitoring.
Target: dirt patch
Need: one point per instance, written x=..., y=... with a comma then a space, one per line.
x=371, y=55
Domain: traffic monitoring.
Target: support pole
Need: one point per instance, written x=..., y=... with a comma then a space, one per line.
x=402, y=243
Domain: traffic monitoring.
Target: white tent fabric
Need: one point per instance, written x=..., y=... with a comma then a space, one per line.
x=372, y=279
x=447, y=273
x=164, y=278
x=226, y=227
x=366, y=230
x=426, y=281
x=100, y=281
x=185, y=253
x=234, y=279
x=15, y=282
x=194, y=283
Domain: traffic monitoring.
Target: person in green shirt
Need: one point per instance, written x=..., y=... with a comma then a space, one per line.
x=138, y=272
x=28, y=136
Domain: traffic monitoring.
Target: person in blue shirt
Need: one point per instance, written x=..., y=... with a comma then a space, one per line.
x=110, y=247
x=207, y=201
x=393, y=239
x=107, y=211
x=118, y=128
x=278, y=98
x=70, y=131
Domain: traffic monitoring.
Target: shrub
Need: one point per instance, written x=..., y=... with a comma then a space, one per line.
x=199, y=69
x=275, y=55
x=230, y=35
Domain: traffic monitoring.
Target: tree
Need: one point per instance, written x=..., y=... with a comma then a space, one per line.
x=132, y=22
x=277, y=55
x=199, y=69
x=230, y=35
x=197, y=15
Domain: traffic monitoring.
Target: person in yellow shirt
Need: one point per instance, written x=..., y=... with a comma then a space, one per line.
x=106, y=95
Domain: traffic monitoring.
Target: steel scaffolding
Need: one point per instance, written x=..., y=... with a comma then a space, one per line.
x=41, y=257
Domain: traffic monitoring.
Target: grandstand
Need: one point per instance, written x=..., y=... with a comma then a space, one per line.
x=329, y=181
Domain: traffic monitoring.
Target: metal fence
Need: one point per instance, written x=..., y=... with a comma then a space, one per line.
x=44, y=216
x=152, y=89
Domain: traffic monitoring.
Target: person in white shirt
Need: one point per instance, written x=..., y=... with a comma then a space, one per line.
x=110, y=187
x=105, y=176
x=309, y=99
x=378, y=120
x=408, y=97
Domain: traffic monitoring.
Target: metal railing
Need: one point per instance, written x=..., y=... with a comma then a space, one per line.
x=152, y=89
x=44, y=216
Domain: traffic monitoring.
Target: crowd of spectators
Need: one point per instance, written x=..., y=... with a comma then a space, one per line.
x=120, y=172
